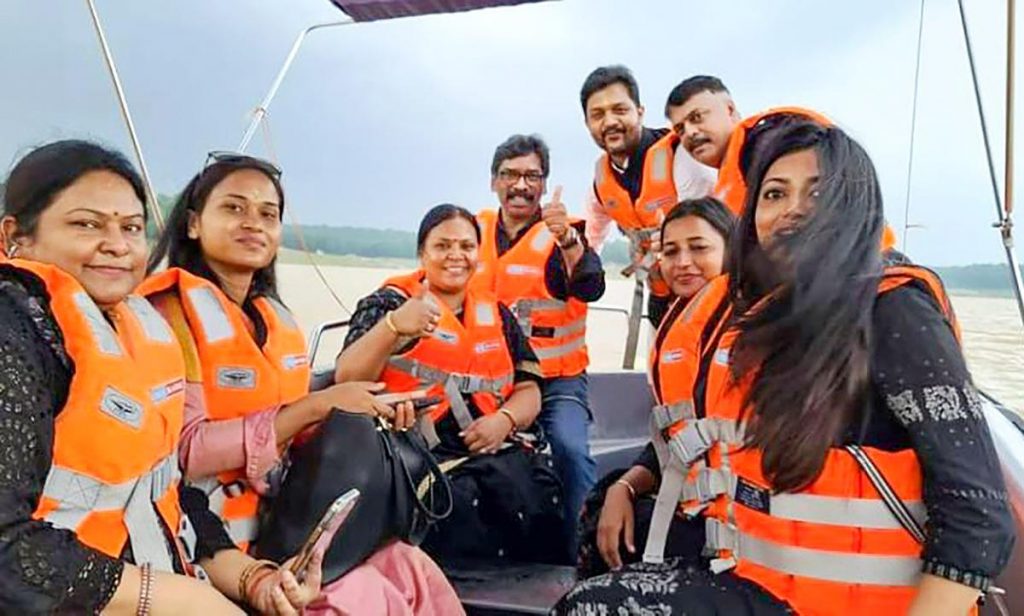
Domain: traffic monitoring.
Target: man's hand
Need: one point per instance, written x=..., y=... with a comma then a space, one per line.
x=555, y=216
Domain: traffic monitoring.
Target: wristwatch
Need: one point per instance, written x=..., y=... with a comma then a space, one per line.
x=571, y=238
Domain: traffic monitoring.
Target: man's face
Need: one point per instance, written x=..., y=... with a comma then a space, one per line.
x=519, y=184
x=705, y=123
x=614, y=120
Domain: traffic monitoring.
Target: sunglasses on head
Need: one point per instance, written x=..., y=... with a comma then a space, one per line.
x=237, y=159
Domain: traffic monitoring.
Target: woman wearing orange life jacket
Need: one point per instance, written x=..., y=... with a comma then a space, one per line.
x=247, y=384
x=430, y=329
x=693, y=242
x=819, y=374
x=91, y=405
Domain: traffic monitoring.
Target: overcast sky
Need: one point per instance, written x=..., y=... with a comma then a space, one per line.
x=377, y=122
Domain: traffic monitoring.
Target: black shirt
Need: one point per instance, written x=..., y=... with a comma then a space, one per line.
x=46, y=569
x=587, y=280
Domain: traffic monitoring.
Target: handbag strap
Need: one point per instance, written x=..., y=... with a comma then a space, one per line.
x=892, y=501
x=435, y=476
x=903, y=515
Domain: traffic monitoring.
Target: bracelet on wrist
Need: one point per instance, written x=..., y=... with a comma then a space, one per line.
x=249, y=572
x=570, y=239
x=511, y=419
x=629, y=486
x=391, y=324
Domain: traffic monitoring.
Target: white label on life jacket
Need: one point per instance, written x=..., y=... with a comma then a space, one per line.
x=121, y=407
x=518, y=269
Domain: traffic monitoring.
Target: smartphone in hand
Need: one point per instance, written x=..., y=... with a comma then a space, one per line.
x=320, y=538
x=419, y=398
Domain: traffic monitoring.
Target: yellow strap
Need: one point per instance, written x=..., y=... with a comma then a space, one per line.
x=168, y=303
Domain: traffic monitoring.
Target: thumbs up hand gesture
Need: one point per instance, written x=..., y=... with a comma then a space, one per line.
x=419, y=315
x=555, y=216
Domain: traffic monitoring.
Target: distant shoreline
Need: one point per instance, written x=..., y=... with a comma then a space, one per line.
x=297, y=257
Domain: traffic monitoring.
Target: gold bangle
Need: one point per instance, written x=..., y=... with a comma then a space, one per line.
x=511, y=418
x=248, y=572
x=391, y=324
x=629, y=486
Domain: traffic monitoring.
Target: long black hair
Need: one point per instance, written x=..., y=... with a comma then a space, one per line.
x=808, y=341
x=182, y=251
x=41, y=175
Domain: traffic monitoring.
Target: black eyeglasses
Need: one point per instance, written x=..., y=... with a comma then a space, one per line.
x=512, y=176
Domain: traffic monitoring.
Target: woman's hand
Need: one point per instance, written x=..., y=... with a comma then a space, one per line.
x=616, y=521
x=487, y=433
x=401, y=403
x=417, y=317
x=280, y=594
x=354, y=397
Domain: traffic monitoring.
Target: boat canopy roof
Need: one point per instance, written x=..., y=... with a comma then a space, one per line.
x=373, y=10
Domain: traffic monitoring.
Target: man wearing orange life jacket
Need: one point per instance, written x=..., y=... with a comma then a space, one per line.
x=704, y=116
x=641, y=174
x=539, y=265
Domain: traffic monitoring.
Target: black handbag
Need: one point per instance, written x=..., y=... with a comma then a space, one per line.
x=402, y=490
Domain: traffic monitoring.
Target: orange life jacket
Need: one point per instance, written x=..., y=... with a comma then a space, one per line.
x=731, y=188
x=831, y=548
x=114, y=475
x=460, y=357
x=672, y=365
x=639, y=220
x=239, y=376
x=557, y=328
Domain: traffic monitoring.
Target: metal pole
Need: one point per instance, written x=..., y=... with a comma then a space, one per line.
x=1008, y=175
x=154, y=203
x=1005, y=224
x=261, y=111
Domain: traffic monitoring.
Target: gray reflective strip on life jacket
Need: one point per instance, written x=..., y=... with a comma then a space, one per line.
x=240, y=530
x=711, y=483
x=282, y=313
x=466, y=384
x=877, y=570
x=425, y=425
x=525, y=307
x=79, y=495
x=484, y=314
x=697, y=437
x=673, y=478
x=660, y=165
x=561, y=331
x=214, y=320
x=153, y=324
x=560, y=350
x=665, y=415
x=102, y=332
x=458, y=405
x=542, y=240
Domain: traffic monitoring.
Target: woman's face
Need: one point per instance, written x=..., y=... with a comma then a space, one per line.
x=787, y=195
x=449, y=255
x=95, y=230
x=239, y=228
x=692, y=252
